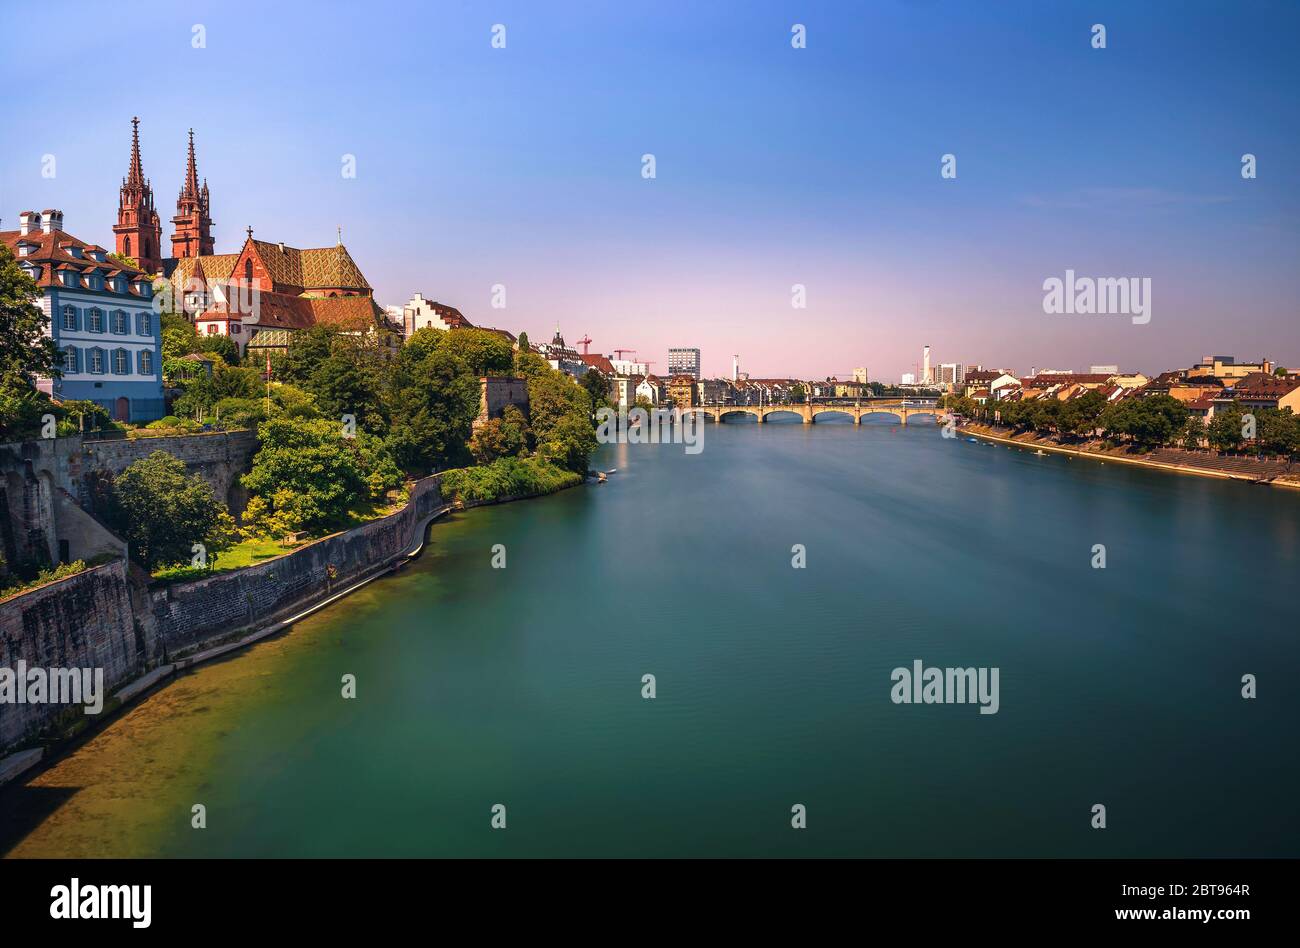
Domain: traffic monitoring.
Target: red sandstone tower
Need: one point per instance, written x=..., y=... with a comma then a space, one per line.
x=193, y=234
x=138, y=230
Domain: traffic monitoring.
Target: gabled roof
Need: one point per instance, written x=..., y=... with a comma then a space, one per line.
x=51, y=252
x=599, y=362
x=317, y=268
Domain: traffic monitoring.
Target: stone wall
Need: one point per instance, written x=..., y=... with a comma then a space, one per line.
x=186, y=616
x=496, y=392
x=84, y=621
x=36, y=475
x=219, y=457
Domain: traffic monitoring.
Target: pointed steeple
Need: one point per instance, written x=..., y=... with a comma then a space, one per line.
x=191, y=189
x=138, y=230
x=135, y=176
x=193, y=234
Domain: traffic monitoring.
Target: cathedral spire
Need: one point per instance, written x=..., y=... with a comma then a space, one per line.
x=137, y=231
x=135, y=176
x=193, y=225
x=191, y=189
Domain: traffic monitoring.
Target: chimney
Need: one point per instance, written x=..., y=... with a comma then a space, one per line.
x=51, y=221
x=282, y=246
x=25, y=221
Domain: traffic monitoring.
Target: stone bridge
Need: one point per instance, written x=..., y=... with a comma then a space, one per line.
x=901, y=410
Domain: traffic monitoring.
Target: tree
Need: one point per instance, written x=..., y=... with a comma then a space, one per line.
x=597, y=387
x=433, y=400
x=1224, y=431
x=122, y=260
x=307, y=475
x=483, y=352
x=25, y=350
x=570, y=443
x=498, y=438
x=161, y=512
x=1193, y=433
x=522, y=342
x=345, y=373
x=223, y=346
x=550, y=398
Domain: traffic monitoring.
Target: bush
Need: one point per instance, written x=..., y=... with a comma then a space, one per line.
x=506, y=477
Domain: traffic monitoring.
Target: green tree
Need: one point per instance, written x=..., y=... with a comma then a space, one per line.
x=1224, y=431
x=223, y=346
x=25, y=350
x=162, y=512
x=570, y=443
x=597, y=387
x=433, y=400
x=345, y=373
x=483, y=352
x=307, y=475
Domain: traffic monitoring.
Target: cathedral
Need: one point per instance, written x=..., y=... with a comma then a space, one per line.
x=258, y=296
x=138, y=230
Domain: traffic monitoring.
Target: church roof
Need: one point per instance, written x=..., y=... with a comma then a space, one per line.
x=317, y=268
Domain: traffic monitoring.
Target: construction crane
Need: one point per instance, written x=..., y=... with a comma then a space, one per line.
x=619, y=353
x=585, y=341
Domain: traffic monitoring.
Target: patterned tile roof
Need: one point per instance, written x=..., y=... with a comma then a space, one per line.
x=317, y=268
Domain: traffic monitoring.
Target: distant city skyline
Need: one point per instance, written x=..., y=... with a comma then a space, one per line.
x=775, y=168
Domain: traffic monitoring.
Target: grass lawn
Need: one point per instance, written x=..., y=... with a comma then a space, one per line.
x=247, y=553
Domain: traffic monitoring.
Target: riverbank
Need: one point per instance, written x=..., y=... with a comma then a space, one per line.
x=1174, y=460
x=205, y=648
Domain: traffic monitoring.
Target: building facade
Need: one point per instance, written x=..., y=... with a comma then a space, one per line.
x=681, y=391
x=684, y=362
x=101, y=317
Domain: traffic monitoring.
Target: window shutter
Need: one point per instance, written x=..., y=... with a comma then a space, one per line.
x=76, y=359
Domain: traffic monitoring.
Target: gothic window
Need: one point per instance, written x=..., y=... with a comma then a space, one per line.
x=248, y=272
x=126, y=245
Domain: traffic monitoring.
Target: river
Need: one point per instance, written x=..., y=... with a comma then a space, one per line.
x=522, y=686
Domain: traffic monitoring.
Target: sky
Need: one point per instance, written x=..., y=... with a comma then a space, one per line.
x=522, y=166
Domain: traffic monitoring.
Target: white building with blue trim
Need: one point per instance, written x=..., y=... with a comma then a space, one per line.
x=101, y=316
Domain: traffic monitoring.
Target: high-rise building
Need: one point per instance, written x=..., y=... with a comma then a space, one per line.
x=735, y=368
x=1103, y=370
x=909, y=378
x=684, y=362
x=926, y=377
x=950, y=373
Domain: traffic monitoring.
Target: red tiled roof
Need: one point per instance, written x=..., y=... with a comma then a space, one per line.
x=599, y=362
x=51, y=252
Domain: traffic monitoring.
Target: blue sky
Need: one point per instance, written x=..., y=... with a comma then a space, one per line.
x=775, y=166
